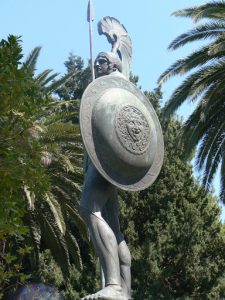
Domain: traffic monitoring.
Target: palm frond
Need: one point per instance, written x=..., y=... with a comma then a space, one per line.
x=31, y=61
x=78, y=222
x=44, y=79
x=55, y=242
x=205, y=55
x=56, y=211
x=60, y=117
x=73, y=185
x=74, y=146
x=59, y=103
x=212, y=10
x=181, y=66
x=205, y=31
x=204, y=129
x=58, y=83
x=217, y=49
x=61, y=132
x=222, y=180
x=182, y=93
x=60, y=192
x=41, y=76
x=195, y=85
x=209, y=139
x=206, y=132
x=213, y=160
x=68, y=166
x=34, y=236
x=74, y=249
x=213, y=99
x=207, y=77
x=197, y=127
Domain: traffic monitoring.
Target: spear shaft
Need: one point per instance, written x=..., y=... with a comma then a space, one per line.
x=90, y=19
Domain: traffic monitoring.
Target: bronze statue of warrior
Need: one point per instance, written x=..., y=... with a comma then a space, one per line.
x=124, y=145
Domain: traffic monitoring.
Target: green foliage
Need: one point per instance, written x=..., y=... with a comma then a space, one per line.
x=49, y=217
x=134, y=79
x=49, y=272
x=21, y=99
x=46, y=79
x=11, y=267
x=75, y=86
x=205, y=127
x=40, y=166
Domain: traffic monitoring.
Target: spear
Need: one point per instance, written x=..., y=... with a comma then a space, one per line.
x=90, y=19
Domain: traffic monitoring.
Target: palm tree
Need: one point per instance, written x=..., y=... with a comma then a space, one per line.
x=205, y=127
x=50, y=217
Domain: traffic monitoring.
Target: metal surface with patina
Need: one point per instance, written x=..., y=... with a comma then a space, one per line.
x=121, y=133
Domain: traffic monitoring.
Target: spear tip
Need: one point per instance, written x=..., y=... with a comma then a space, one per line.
x=90, y=11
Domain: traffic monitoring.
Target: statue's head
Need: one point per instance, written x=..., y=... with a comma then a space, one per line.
x=106, y=63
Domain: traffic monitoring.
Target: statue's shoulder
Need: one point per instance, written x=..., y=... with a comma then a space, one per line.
x=117, y=74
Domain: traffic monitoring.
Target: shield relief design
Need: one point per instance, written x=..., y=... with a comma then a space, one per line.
x=132, y=129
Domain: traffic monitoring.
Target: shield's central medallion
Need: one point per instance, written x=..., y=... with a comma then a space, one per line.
x=132, y=129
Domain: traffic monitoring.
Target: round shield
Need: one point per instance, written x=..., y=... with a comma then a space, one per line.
x=121, y=133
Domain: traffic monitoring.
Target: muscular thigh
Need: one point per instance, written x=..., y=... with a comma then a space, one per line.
x=96, y=191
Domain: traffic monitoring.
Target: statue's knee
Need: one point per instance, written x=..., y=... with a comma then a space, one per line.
x=124, y=254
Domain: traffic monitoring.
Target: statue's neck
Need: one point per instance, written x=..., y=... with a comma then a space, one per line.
x=117, y=73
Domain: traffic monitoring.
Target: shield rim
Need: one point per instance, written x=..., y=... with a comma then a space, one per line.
x=91, y=95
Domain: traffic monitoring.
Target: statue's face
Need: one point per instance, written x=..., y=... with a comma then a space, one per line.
x=102, y=66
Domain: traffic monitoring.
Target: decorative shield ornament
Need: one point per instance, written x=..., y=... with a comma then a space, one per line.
x=121, y=133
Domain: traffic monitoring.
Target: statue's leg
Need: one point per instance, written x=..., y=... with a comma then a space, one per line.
x=111, y=212
x=95, y=194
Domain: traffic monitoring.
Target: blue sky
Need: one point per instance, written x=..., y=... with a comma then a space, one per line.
x=60, y=27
